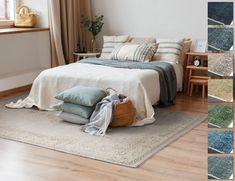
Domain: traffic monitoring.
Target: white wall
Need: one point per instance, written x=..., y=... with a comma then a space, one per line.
x=22, y=57
x=156, y=18
x=42, y=7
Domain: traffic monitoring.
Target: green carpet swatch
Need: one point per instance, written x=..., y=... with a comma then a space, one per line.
x=220, y=167
x=220, y=116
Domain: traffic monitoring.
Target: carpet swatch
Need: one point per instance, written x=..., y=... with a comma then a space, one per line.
x=220, y=12
x=220, y=64
x=220, y=116
x=220, y=167
x=129, y=146
x=220, y=89
x=220, y=141
x=220, y=39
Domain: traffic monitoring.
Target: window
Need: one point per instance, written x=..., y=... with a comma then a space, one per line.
x=7, y=11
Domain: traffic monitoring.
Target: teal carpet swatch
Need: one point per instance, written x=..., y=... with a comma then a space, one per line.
x=220, y=116
x=220, y=167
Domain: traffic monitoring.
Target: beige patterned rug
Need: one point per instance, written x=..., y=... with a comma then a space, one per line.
x=123, y=146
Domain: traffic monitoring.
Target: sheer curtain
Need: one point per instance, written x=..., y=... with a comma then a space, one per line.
x=67, y=35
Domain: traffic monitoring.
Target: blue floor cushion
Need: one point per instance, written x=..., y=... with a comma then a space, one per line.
x=85, y=96
x=73, y=118
x=76, y=109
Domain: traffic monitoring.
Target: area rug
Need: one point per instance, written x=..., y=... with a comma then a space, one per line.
x=129, y=146
x=220, y=141
x=220, y=116
x=220, y=167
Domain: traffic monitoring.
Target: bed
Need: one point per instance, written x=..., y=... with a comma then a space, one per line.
x=142, y=85
x=148, y=78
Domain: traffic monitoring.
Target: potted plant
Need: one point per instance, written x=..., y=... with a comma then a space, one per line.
x=93, y=26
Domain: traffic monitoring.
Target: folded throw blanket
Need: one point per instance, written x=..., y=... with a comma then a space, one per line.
x=102, y=116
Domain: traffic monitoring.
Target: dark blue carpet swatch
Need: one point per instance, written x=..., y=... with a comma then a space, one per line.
x=220, y=167
x=220, y=141
x=221, y=12
x=220, y=38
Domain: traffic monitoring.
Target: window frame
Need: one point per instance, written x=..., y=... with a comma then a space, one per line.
x=9, y=23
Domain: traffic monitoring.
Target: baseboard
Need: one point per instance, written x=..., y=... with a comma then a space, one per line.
x=14, y=91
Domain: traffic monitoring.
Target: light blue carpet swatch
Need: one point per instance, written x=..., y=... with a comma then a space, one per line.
x=220, y=141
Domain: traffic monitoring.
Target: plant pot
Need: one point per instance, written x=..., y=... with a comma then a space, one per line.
x=94, y=45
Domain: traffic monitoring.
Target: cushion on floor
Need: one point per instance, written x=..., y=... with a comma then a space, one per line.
x=85, y=96
x=79, y=110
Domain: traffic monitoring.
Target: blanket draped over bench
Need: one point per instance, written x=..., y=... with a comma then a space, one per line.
x=167, y=76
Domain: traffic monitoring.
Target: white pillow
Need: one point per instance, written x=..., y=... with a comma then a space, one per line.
x=134, y=52
x=110, y=42
x=169, y=49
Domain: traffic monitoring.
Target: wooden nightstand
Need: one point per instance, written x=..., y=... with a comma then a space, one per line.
x=201, y=77
x=86, y=55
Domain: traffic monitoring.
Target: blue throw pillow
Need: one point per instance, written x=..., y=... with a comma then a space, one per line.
x=82, y=111
x=86, y=96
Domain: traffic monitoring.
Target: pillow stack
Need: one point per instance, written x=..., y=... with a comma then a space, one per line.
x=145, y=49
x=79, y=103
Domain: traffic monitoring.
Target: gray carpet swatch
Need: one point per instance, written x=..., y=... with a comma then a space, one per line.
x=220, y=167
x=220, y=39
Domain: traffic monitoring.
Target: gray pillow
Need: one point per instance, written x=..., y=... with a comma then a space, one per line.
x=73, y=118
x=82, y=111
x=86, y=96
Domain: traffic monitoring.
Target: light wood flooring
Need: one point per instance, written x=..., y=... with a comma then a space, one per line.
x=184, y=160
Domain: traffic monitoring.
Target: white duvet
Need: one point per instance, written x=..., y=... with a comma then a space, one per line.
x=142, y=86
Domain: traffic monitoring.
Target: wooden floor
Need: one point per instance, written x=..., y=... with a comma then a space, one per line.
x=184, y=160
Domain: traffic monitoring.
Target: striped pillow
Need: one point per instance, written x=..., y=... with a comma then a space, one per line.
x=110, y=42
x=169, y=50
x=134, y=52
